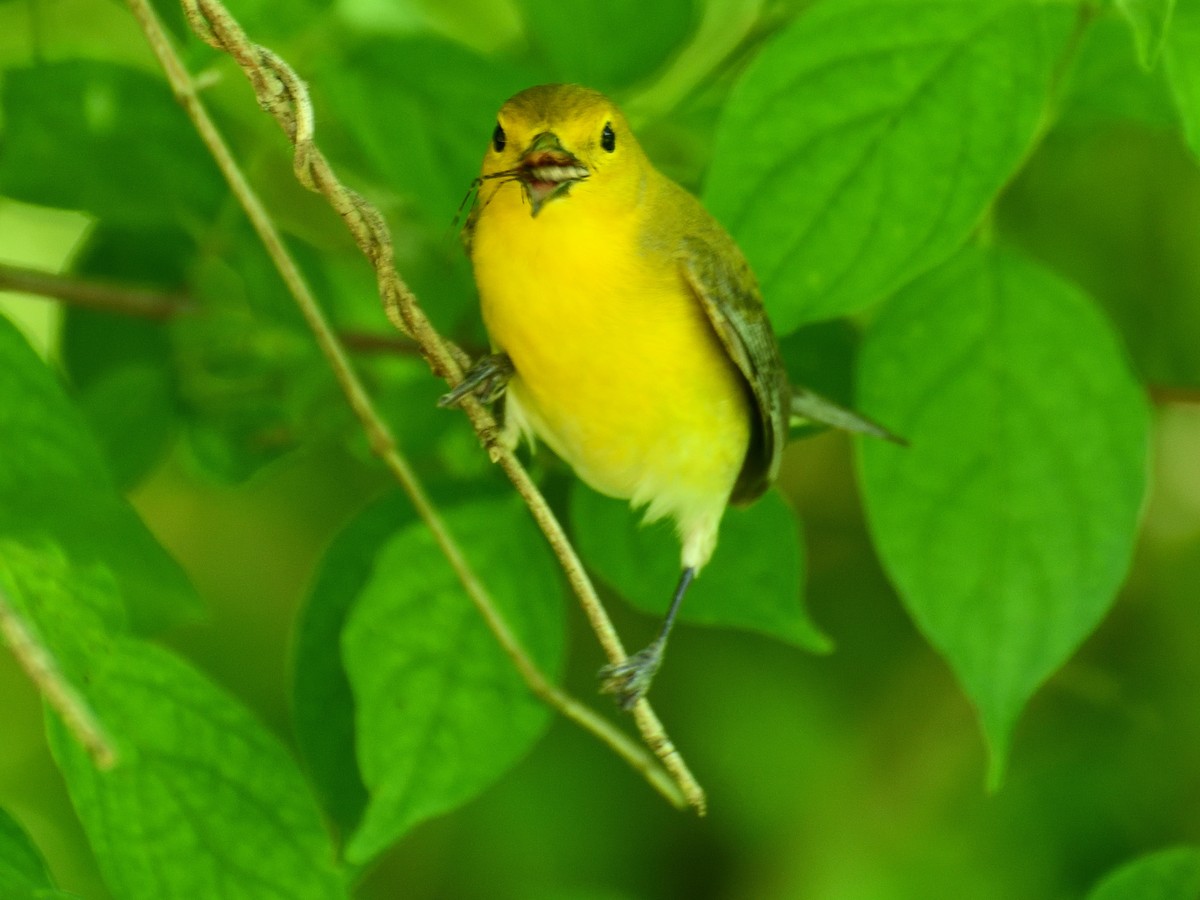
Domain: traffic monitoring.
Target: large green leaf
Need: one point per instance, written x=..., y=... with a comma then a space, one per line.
x=23, y=873
x=204, y=802
x=104, y=139
x=1166, y=875
x=607, y=45
x=1008, y=524
x=866, y=141
x=754, y=581
x=1182, y=54
x=57, y=497
x=441, y=711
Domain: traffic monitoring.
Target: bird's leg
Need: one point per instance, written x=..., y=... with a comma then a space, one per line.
x=486, y=379
x=628, y=681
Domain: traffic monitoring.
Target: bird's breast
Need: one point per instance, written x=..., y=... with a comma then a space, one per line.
x=617, y=366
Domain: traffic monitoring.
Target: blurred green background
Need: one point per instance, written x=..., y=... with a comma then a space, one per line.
x=855, y=776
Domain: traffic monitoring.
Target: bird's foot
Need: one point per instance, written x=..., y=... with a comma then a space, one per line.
x=629, y=681
x=486, y=379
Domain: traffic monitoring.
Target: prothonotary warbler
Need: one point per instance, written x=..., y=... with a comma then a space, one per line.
x=628, y=330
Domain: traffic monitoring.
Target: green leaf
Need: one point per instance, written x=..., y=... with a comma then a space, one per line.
x=1106, y=82
x=1166, y=875
x=104, y=139
x=1149, y=21
x=23, y=872
x=1103, y=207
x=1182, y=57
x=322, y=703
x=121, y=367
x=442, y=712
x=820, y=356
x=867, y=140
x=1008, y=524
x=608, y=45
x=204, y=802
x=422, y=110
x=754, y=581
x=56, y=496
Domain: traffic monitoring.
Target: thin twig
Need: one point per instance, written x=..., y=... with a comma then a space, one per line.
x=1163, y=394
x=126, y=301
x=282, y=94
x=123, y=300
x=39, y=664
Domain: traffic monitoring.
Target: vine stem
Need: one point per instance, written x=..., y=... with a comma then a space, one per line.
x=281, y=93
x=41, y=667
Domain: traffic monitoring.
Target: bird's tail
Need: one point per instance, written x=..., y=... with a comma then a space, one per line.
x=809, y=408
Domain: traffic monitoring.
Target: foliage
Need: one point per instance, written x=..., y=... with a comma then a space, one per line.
x=909, y=179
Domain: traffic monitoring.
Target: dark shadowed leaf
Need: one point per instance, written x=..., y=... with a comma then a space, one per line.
x=422, y=111
x=322, y=703
x=23, y=874
x=104, y=139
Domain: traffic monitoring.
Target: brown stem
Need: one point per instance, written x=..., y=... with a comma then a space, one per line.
x=121, y=299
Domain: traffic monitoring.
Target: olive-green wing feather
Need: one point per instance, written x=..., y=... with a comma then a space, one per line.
x=721, y=278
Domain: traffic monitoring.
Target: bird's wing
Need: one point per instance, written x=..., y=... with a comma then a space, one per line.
x=721, y=278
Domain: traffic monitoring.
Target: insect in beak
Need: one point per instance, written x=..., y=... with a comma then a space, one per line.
x=548, y=170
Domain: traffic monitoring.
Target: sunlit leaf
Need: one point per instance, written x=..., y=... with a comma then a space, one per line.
x=1106, y=83
x=204, y=801
x=607, y=45
x=866, y=141
x=56, y=496
x=1182, y=55
x=754, y=581
x=441, y=710
x=1165, y=875
x=1149, y=21
x=1008, y=524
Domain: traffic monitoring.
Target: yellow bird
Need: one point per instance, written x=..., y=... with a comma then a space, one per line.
x=628, y=329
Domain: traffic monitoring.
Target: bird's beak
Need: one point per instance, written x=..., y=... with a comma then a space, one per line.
x=548, y=170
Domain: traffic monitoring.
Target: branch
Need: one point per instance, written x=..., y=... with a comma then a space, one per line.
x=94, y=295
x=39, y=664
x=280, y=92
x=123, y=300
x=1164, y=394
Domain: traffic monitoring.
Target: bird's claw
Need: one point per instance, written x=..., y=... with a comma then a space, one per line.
x=486, y=379
x=629, y=681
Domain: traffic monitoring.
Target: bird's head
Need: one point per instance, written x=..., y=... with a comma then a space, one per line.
x=557, y=139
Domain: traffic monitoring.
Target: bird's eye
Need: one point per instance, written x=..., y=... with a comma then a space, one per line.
x=608, y=139
x=499, y=139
